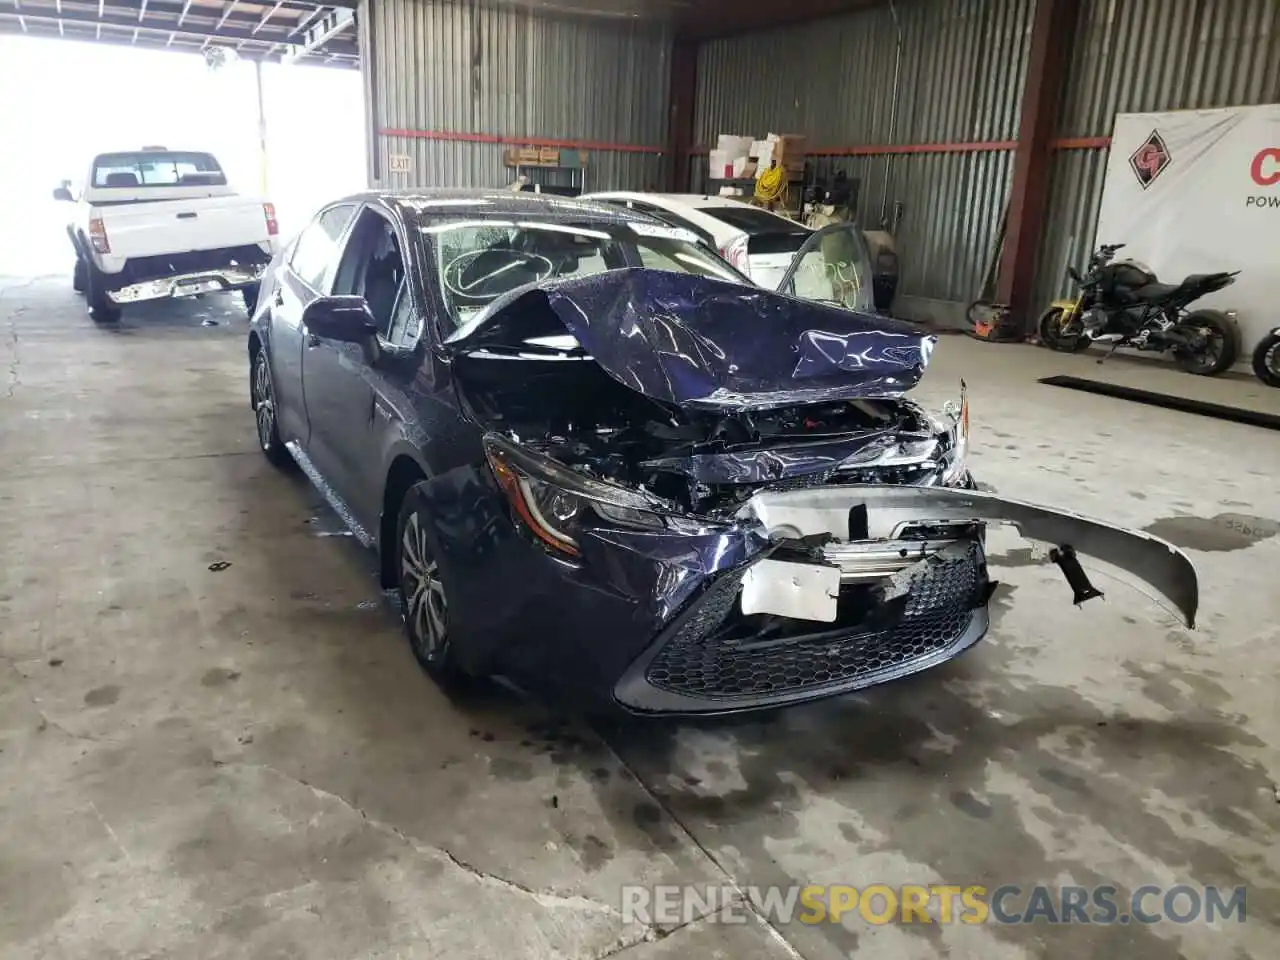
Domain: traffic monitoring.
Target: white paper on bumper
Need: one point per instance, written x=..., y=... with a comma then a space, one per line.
x=801, y=591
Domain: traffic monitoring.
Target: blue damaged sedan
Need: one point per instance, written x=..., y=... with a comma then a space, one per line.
x=590, y=457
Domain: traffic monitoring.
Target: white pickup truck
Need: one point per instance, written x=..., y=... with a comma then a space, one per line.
x=158, y=223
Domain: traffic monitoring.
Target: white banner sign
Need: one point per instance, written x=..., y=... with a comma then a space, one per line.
x=1198, y=191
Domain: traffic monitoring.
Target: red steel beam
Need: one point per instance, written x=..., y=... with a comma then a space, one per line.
x=1052, y=35
x=518, y=141
x=974, y=146
x=684, y=95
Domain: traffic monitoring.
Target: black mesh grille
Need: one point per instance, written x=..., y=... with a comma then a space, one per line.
x=705, y=659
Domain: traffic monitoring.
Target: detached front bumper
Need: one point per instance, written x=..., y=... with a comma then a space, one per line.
x=190, y=284
x=655, y=620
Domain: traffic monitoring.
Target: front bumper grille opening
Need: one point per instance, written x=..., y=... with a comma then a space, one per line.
x=719, y=654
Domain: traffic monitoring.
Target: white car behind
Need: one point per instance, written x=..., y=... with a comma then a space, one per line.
x=777, y=253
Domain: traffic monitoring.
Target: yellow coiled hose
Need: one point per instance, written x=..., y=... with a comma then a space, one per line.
x=771, y=187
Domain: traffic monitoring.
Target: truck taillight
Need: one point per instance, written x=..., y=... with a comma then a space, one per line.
x=98, y=235
x=735, y=251
x=269, y=211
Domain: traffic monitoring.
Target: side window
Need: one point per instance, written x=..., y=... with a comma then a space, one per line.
x=315, y=252
x=373, y=267
x=675, y=220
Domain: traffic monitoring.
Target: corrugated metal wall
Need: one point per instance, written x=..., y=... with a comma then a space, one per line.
x=1134, y=56
x=964, y=63
x=467, y=68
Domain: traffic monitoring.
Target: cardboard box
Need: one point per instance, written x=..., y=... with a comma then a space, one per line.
x=789, y=148
x=548, y=155
x=720, y=165
x=527, y=155
x=733, y=146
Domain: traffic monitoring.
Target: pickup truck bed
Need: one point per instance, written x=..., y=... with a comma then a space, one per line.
x=145, y=235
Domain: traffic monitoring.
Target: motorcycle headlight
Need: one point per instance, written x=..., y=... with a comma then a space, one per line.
x=555, y=503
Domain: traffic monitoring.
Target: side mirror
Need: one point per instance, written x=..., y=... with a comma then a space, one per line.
x=62, y=193
x=340, y=318
x=1071, y=272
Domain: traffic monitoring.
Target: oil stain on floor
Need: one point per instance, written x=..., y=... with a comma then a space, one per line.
x=1226, y=531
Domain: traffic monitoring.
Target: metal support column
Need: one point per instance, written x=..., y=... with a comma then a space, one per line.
x=1052, y=36
x=680, y=119
x=262, y=127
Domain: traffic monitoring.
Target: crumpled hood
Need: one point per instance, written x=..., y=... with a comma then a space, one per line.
x=703, y=343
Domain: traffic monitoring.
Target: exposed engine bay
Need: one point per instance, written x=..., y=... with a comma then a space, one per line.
x=703, y=462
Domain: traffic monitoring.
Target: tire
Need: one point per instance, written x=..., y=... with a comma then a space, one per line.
x=422, y=591
x=79, y=276
x=101, y=309
x=1266, y=360
x=1049, y=329
x=250, y=296
x=1220, y=329
x=263, y=398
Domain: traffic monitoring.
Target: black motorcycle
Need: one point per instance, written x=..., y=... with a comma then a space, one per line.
x=1266, y=359
x=1125, y=305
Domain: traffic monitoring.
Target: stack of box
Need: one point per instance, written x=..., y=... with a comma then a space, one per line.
x=730, y=157
x=786, y=150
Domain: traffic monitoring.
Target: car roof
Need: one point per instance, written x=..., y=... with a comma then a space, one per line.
x=702, y=209
x=452, y=202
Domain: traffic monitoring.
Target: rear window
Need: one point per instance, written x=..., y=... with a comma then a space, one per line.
x=157, y=169
x=752, y=220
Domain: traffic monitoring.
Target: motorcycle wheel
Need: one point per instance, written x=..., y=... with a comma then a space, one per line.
x=1266, y=360
x=1048, y=326
x=1221, y=348
x=1059, y=334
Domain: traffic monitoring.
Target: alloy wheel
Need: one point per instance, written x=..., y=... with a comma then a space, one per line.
x=1206, y=356
x=1271, y=359
x=263, y=403
x=423, y=590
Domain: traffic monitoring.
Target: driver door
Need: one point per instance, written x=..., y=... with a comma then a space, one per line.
x=339, y=378
x=833, y=266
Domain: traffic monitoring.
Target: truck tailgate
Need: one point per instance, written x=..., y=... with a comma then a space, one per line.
x=154, y=227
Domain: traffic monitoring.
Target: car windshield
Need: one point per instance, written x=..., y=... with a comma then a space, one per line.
x=479, y=261
x=157, y=169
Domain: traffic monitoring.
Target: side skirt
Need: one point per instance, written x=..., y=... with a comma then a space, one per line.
x=336, y=502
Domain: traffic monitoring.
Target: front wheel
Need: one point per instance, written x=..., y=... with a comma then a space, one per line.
x=1059, y=332
x=1215, y=349
x=422, y=591
x=1266, y=360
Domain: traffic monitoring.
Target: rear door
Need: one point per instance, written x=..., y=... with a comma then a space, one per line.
x=306, y=273
x=833, y=265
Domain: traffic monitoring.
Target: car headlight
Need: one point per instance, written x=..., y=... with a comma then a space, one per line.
x=555, y=503
x=957, y=464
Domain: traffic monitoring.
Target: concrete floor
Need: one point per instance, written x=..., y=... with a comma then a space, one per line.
x=247, y=763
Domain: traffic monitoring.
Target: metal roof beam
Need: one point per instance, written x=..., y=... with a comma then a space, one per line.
x=332, y=25
x=11, y=8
